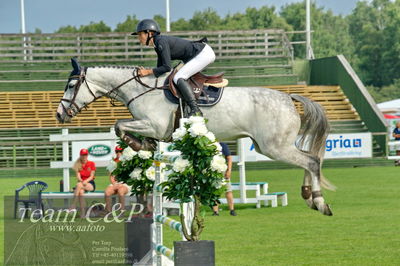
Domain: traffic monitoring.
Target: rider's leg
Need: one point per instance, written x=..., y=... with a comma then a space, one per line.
x=196, y=64
x=188, y=96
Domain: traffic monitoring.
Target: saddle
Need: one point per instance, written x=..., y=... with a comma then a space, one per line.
x=200, y=84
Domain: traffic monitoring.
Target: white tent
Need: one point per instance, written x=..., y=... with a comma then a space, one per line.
x=392, y=106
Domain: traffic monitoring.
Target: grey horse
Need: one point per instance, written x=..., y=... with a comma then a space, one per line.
x=267, y=116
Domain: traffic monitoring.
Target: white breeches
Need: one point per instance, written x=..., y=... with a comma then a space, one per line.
x=196, y=64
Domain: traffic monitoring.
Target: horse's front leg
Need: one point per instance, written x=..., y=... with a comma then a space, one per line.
x=142, y=127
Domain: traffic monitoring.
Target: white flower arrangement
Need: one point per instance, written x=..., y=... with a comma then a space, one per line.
x=127, y=154
x=136, y=173
x=145, y=154
x=198, y=129
x=179, y=133
x=218, y=164
x=219, y=147
x=196, y=120
x=151, y=173
x=180, y=165
x=210, y=136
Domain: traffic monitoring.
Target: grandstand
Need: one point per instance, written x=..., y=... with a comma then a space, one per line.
x=31, y=85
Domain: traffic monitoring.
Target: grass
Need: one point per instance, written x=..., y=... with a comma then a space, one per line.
x=363, y=231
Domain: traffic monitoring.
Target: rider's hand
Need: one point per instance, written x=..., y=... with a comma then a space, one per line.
x=144, y=72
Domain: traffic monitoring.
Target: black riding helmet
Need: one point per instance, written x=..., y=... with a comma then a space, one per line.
x=147, y=25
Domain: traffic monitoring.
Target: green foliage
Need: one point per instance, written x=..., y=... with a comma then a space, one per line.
x=197, y=174
x=385, y=93
x=129, y=25
x=330, y=36
x=141, y=183
x=95, y=27
x=198, y=179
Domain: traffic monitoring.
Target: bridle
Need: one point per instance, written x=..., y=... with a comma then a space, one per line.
x=81, y=78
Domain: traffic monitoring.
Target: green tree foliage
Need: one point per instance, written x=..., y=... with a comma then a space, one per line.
x=67, y=29
x=129, y=25
x=205, y=20
x=366, y=26
x=95, y=27
x=330, y=36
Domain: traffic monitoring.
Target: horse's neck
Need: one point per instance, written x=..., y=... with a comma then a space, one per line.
x=109, y=78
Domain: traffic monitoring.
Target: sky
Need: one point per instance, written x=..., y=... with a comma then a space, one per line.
x=50, y=15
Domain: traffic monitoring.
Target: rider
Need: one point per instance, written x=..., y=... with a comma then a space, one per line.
x=195, y=55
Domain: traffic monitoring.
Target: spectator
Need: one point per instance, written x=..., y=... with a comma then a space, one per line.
x=396, y=135
x=85, y=171
x=229, y=195
x=116, y=188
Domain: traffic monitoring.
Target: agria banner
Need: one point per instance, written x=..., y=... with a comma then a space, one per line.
x=355, y=145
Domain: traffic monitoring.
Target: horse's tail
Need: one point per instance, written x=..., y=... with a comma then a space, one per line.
x=315, y=129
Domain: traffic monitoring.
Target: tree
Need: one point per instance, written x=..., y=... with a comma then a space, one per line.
x=206, y=20
x=330, y=32
x=129, y=25
x=95, y=27
x=366, y=24
x=67, y=29
x=161, y=22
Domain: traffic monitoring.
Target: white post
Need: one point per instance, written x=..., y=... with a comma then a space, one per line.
x=23, y=29
x=242, y=171
x=157, y=234
x=65, y=149
x=309, y=54
x=167, y=19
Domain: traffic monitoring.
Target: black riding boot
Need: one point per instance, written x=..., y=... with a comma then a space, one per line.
x=188, y=95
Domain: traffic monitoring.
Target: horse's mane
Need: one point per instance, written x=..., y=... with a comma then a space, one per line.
x=115, y=67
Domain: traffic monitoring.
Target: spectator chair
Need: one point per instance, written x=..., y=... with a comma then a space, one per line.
x=35, y=196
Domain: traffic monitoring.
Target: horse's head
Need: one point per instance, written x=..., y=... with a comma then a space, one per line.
x=77, y=94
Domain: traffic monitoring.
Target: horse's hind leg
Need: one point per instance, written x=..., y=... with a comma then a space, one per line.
x=306, y=190
x=290, y=154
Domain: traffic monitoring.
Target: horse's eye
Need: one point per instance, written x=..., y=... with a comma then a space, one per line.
x=71, y=85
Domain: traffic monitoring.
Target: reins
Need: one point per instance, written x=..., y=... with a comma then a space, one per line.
x=82, y=78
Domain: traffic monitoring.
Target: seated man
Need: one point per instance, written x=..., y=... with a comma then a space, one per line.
x=116, y=187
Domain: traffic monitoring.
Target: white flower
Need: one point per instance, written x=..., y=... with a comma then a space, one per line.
x=220, y=183
x=179, y=133
x=180, y=164
x=210, y=136
x=127, y=154
x=163, y=165
x=111, y=166
x=196, y=120
x=145, y=154
x=151, y=173
x=136, y=173
x=218, y=164
x=198, y=130
x=218, y=146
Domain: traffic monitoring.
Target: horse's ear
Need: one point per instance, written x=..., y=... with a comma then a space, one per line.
x=76, y=66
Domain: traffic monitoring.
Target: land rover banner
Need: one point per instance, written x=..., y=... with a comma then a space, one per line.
x=98, y=150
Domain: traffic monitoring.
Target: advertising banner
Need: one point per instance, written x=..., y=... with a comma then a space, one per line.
x=353, y=145
x=102, y=150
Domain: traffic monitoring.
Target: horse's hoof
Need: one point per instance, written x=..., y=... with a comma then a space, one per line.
x=327, y=210
x=149, y=144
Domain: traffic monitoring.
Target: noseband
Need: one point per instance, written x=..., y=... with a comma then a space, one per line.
x=81, y=78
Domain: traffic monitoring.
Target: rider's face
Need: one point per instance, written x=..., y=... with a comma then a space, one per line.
x=142, y=36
